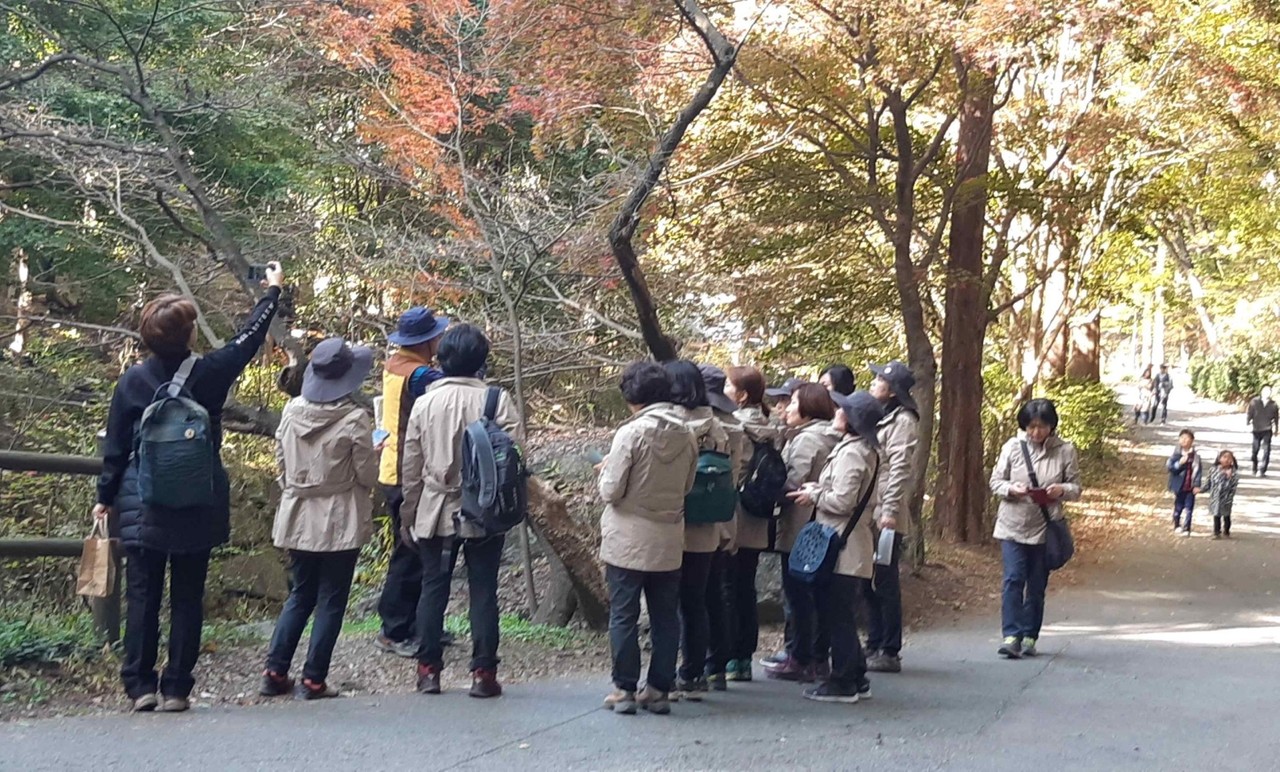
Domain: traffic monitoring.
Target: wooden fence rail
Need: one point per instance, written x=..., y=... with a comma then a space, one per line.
x=106, y=611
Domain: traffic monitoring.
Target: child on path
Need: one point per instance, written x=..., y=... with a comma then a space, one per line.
x=1222, y=492
x=1185, y=479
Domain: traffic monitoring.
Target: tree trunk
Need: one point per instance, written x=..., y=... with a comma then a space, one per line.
x=962, y=496
x=577, y=548
x=1085, y=362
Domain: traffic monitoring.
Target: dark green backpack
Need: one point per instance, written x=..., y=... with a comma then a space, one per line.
x=714, y=498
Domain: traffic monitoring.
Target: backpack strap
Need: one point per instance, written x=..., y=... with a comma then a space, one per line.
x=1035, y=481
x=491, y=403
x=184, y=373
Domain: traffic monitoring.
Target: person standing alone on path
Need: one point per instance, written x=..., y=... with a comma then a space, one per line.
x=1263, y=417
x=898, y=433
x=1222, y=492
x=1163, y=388
x=1185, y=479
x=405, y=377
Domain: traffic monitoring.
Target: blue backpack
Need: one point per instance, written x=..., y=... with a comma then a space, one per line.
x=174, y=447
x=494, y=477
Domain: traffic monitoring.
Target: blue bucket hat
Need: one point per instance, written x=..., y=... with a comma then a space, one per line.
x=863, y=412
x=418, y=325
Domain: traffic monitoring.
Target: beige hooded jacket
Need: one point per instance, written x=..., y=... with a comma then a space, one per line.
x=843, y=482
x=328, y=467
x=709, y=435
x=899, y=433
x=1020, y=519
x=806, y=454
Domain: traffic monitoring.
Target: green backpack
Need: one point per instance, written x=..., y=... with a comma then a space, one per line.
x=714, y=498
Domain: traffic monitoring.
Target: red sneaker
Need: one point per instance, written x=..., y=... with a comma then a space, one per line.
x=484, y=684
x=428, y=679
x=792, y=670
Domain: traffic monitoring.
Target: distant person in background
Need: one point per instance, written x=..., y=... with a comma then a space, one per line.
x=1221, y=488
x=838, y=378
x=1146, y=397
x=1185, y=479
x=779, y=397
x=1263, y=417
x=1163, y=387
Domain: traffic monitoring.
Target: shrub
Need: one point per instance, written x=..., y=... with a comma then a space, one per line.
x=1089, y=415
x=46, y=639
x=1235, y=378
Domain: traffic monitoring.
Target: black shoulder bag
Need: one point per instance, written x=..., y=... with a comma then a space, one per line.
x=817, y=548
x=1059, y=547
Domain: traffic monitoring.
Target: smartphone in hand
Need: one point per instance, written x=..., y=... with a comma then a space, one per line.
x=380, y=436
x=257, y=273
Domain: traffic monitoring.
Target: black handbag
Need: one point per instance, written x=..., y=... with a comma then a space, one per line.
x=1059, y=547
x=817, y=548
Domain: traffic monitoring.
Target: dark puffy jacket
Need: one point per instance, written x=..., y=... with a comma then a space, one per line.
x=185, y=530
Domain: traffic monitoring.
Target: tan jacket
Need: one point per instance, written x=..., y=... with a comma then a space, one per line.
x=841, y=486
x=432, y=466
x=710, y=435
x=327, y=469
x=899, y=433
x=649, y=470
x=1021, y=520
x=806, y=453
x=753, y=532
x=739, y=456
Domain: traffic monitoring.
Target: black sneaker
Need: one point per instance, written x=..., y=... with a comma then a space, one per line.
x=407, y=648
x=1011, y=648
x=864, y=690
x=718, y=681
x=428, y=679
x=275, y=685
x=310, y=690
x=829, y=692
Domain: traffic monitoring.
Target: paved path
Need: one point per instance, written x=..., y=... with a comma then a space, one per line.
x=1163, y=656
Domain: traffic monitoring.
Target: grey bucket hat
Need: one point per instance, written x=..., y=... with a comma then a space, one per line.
x=336, y=370
x=714, y=378
x=863, y=412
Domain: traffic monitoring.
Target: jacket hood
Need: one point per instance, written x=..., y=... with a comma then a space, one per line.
x=757, y=426
x=700, y=420
x=665, y=436
x=312, y=418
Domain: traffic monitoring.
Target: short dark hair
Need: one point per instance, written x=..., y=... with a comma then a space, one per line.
x=842, y=379
x=463, y=351
x=1188, y=433
x=688, y=390
x=1042, y=410
x=166, y=325
x=814, y=402
x=645, y=383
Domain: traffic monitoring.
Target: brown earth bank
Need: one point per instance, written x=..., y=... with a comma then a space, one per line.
x=957, y=582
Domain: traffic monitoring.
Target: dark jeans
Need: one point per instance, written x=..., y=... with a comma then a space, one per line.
x=1183, y=501
x=662, y=594
x=1026, y=577
x=810, y=642
x=398, y=605
x=884, y=604
x=741, y=617
x=1222, y=524
x=836, y=600
x=695, y=625
x=719, y=630
x=144, y=576
x=483, y=557
x=1261, y=441
x=321, y=584
x=1159, y=404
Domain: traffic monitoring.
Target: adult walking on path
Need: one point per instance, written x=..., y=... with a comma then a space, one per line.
x=1263, y=417
x=1163, y=387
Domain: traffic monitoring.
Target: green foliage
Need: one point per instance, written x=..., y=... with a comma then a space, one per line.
x=41, y=638
x=1235, y=378
x=1089, y=415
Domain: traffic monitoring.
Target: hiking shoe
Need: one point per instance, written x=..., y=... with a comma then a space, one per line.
x=175, y=705
x=620, y=701
x=689, y=689
x=884, y=663
x=739, y=670
x=406, y=648
x=718, y=681
x=484, y=684
x=829, y=692
x=310, y=690
x=428, y=679
x=1011, y=648
x=792, y=670
x=864, y=690
x=145, y=704
x=1029, y=647
x=274, y=684
x=654, y=701
x=774, y=659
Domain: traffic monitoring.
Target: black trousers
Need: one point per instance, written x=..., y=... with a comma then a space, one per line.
x=810, y=642
x=144, y=590
x=837, y=599
x=741, y=616
x=1161, y=404
x=483, y=559
x=398, y=605
x=719, y=628
x=1222, y=524
x=695, y=625
x=884, y=605
x=1261, y=442
x=321, y=585
x=662, y=594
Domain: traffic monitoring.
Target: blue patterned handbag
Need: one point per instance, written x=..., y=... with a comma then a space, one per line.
x=817, y=548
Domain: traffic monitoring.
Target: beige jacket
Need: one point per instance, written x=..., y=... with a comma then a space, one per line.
x=899, y=433
x=649, y=470
x=327, y=469
x=432, y=465
x=1021, y=520
x=709, y=434
x=739, y=456
x=844, y=480
x=806, y=453
x=753, y=532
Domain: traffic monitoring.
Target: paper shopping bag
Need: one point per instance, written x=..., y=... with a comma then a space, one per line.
x=97, y=576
